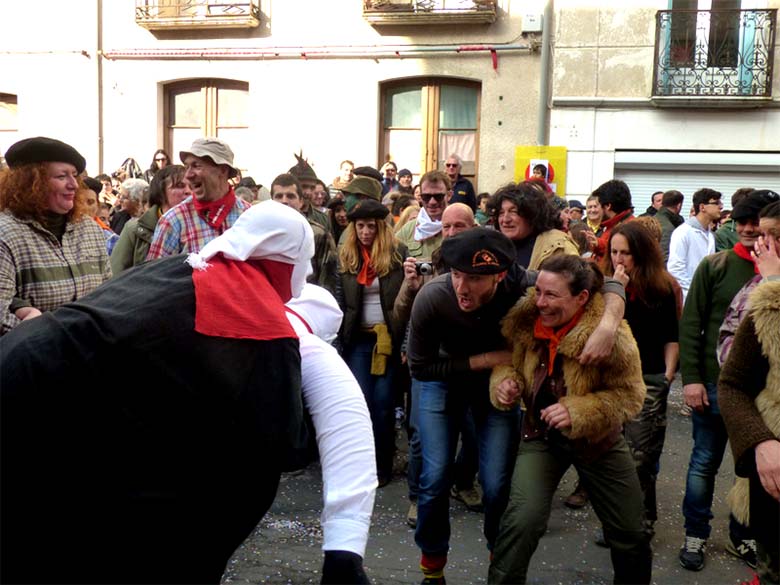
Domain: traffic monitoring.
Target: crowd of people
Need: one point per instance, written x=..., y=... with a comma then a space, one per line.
x=519, y=333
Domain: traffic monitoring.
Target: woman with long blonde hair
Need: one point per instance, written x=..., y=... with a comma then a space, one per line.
x=371, y=264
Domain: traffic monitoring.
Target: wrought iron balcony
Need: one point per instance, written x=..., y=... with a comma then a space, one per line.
x=388, y=12
x=716, y=57
x=196, y=14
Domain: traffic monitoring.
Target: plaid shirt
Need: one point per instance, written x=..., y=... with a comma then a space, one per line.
x=181, y=229
x=38, y=271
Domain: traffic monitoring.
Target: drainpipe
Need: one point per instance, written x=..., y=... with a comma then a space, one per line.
x=543, y=114
x=99, y=62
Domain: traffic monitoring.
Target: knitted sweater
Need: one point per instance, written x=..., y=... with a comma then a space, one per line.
x=715, y=282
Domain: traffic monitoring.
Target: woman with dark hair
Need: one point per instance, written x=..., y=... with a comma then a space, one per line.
x=160, y=160
x=51, y=252
x=167, y=190
x=651, y=311
x=526, y=217
x=574, y=414
x=371, y=264
x=337, y=214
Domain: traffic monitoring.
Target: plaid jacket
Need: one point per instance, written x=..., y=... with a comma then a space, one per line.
x=180, y=229
x=38, y=271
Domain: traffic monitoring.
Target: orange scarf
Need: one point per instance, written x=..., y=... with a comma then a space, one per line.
x=555, y=336
x=101, y=223
x=367, y=273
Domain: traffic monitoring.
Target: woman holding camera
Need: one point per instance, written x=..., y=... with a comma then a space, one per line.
x=371, y=264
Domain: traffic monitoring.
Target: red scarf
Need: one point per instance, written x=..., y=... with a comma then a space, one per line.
x=744, y=253
x=264, y=286
x=367, y=273
x=555, y=336
x=214, y=213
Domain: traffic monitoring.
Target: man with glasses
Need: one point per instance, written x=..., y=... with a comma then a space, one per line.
x=423, y=236
x=462, y=189
x=693, y=240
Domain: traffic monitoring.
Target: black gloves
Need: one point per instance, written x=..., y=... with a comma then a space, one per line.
x=342, y=567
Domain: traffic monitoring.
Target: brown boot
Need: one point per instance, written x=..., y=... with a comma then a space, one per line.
x=578, y=498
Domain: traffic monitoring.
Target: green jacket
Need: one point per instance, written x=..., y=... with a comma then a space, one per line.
x=669, y=222
x=726, y=237
x=717, y=279
x=134, y=241
x=424, y=249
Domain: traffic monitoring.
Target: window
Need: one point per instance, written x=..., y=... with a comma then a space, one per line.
x=425, y=121
x=9, y=125
x=207, y=107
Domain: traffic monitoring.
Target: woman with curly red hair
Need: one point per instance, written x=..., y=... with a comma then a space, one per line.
x=51, y=252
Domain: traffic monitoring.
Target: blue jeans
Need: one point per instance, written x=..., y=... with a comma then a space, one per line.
x=440, y=414
x=380, y=399
x=709, y=444
x=466, y=462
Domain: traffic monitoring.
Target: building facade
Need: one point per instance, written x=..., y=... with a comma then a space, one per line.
x=367, y=80
x=667, y=94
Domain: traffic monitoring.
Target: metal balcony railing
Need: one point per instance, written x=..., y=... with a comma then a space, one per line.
x=196, y=14
x=429, y=11
x=714, y=53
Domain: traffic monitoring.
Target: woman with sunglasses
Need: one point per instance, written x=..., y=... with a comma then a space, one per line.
x=651, y=311
x=371, y=262
x=160, y=160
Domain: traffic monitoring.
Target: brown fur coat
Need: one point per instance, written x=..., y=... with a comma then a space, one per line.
x=598, y=398
x=764, y=308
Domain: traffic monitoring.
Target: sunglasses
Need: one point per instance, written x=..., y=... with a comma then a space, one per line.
x=427, y=196
x=451, y=165
x=160, y=159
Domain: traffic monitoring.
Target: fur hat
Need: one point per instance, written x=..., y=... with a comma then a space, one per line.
x=752, y=205
x=41, y=149
x=478, y=251
x=302, y=170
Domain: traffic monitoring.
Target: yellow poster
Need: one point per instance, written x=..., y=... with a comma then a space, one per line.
x=544, y=162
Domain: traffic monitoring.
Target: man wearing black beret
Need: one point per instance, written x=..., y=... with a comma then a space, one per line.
x=454, y=342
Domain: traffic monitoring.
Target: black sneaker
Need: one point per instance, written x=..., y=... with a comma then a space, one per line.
x=745, y=550
x=692, y=553
x=434, y=581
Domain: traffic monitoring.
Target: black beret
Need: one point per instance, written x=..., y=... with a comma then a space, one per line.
x=41, y=149
x=93, y=184
x=368, y=172
x=368, y=209
x=404, y=173
x=335, y=203
x=478, y=251
x=576, y=205
x=752, y=205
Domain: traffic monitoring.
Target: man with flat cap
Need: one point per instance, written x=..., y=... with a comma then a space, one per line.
x=211, y=209
x=454, y=342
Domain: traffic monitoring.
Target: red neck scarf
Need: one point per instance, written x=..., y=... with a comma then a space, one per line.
x=555, y=336
x=367, y=273
x=264, y=286
x=214, y=213
x=616, y=219
x=744, y=253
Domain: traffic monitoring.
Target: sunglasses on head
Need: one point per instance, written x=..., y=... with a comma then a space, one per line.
x=427, y=196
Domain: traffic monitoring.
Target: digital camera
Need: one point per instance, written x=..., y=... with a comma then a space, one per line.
x=423, y=268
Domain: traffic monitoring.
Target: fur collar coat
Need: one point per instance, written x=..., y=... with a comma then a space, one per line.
x=599, y=398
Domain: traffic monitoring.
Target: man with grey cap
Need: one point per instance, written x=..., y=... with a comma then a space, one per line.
x=212, y=208
x=454, y=342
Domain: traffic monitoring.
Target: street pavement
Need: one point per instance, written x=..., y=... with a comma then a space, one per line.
x=285, y=547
